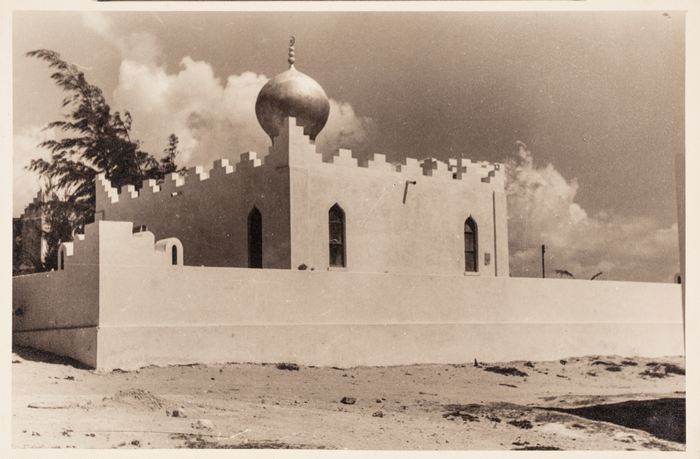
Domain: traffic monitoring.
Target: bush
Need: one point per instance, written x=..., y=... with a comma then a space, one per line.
x=652, y=374
x=673, y=369
x=509, y=371
x=524, y=424
x=661, y=370
x=288, y=366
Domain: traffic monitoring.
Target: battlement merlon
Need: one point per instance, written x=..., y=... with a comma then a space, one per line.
x=105, y=194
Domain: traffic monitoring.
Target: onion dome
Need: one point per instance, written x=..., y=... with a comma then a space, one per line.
x=291, y=93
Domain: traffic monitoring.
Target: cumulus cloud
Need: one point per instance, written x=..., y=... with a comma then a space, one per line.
x=212, y=118
x=541, y=210
x=344, y=129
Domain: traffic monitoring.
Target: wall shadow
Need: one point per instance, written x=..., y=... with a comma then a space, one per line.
x=35, y=355
x=664, y=418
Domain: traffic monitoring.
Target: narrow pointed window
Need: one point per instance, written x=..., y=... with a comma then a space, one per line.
x=255, y=239
x=336, y=232
x=174, y=252
x=471, y=249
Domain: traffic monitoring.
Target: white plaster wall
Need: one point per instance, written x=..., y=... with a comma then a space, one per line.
x=77, y=343
x=422, y=235
x=59, y=312
x=187, y=314
x=166, y=314
x=183, y=295
x=208, y=213
x=294, y=190
x=57, y=299
x=342, y=345
x=383, y=234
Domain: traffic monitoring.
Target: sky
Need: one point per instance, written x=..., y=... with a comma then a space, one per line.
x=586, y=109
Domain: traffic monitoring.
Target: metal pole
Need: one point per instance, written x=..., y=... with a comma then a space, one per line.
x=495, y=240
x=542, y=261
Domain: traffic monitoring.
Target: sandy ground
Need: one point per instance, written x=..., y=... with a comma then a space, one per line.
x=58, y=404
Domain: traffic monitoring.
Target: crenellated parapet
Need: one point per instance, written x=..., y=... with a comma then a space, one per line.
x=175, y=184
x=116, y=244
x=34, y=211
x=294, y=147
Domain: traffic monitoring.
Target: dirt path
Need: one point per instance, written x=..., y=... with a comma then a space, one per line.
x=57, y=404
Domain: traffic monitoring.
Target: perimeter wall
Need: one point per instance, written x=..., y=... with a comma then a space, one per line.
x=123, y=301
x=58, y=312
x=347, y=319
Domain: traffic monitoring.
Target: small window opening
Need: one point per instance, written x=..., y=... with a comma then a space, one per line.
x=61, y=262
x=336, y=232
x=139, y=229
x=255, y=239
x=174, y=251
x=471, y=249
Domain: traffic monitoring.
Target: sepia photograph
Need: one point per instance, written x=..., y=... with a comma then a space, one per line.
x=399, y=229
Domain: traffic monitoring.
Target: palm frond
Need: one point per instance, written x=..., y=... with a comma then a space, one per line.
x=563, y=272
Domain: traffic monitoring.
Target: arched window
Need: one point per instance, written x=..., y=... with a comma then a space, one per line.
x=255, y=239
x=471, y=246
x=174, y=251
x=336, y=236
x=61, y=263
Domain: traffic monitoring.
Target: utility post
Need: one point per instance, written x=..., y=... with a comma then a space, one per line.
x=542, y=261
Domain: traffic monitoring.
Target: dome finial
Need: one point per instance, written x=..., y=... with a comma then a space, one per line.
x=291, y=52
x=292, y=94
